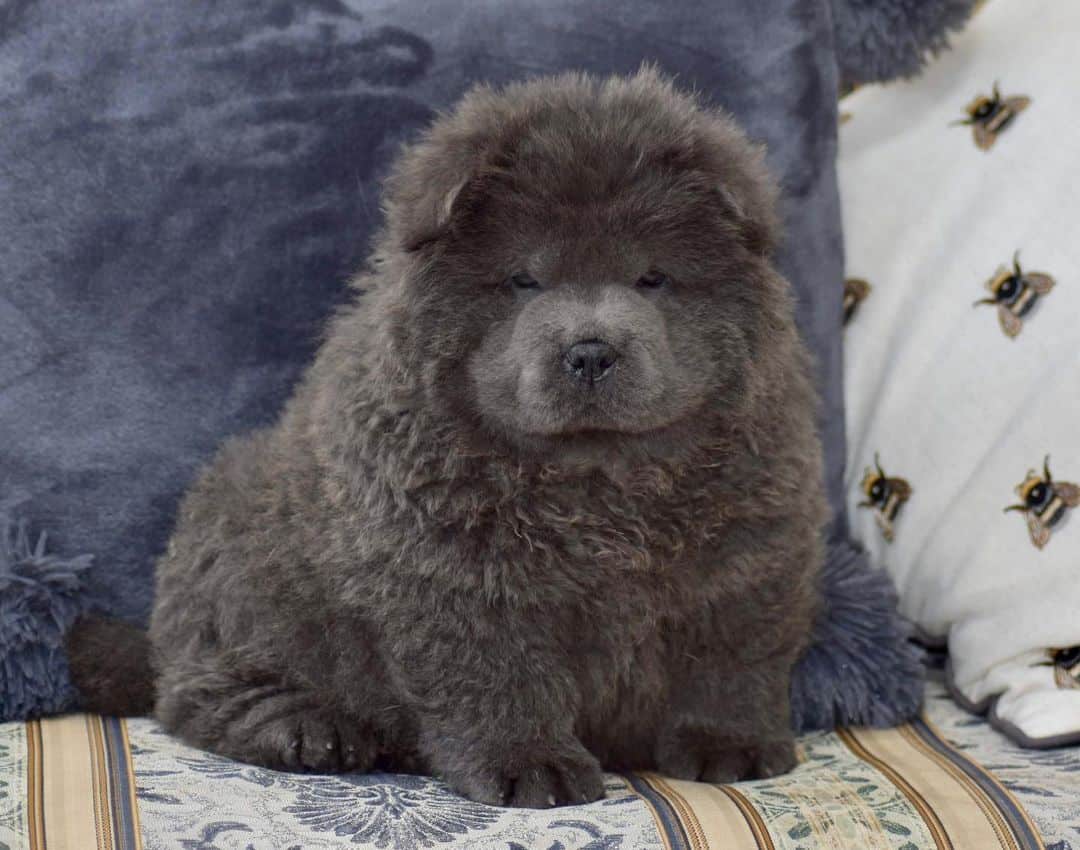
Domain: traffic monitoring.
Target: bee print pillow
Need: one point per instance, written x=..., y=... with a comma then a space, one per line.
x=961, y=200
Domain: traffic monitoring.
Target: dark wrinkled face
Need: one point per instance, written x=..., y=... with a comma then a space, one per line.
x=571, y=318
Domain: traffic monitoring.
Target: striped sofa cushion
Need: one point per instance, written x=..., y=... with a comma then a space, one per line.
x=84, y=782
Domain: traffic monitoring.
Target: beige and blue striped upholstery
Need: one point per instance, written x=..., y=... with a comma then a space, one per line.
x=89, y=783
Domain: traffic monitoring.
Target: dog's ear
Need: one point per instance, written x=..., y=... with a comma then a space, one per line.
x=752, y=208
x=734, y=175
x=429, y=217
x=440, y=213
x=743, y=182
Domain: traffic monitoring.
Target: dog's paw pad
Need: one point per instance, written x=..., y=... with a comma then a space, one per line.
x=773, y=759
x=307, y=742
x=546, y=785
x=534, y=783
x=720, y=764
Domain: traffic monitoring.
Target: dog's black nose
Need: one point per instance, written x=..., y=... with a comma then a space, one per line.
x=590, y=360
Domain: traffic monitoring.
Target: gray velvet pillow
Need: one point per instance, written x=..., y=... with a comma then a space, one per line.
x=185, y=186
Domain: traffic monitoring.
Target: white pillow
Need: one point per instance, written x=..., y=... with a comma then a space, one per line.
x=939, y=390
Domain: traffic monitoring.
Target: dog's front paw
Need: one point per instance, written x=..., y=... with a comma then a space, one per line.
x=702, y=757
x=302, y=741
x=539, y=780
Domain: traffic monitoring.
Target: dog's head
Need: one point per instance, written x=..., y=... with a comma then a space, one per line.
x=582, y=258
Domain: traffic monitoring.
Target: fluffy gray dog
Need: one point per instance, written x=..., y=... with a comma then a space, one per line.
x=549, y=497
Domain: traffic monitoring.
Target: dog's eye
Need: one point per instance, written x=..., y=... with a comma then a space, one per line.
x=524, y=280
x=652, y=280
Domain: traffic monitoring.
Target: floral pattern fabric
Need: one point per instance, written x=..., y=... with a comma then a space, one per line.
x=13, y=827
x=833, y=799
x=1046, y=782
x=196, y=800
x=949, y=780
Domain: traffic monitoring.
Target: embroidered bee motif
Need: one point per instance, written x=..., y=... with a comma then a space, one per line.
x=885, y=496
x=1044, y=502
x=855, y=291
x=1015, y=292
x=988, y=116
x=1066, y=664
